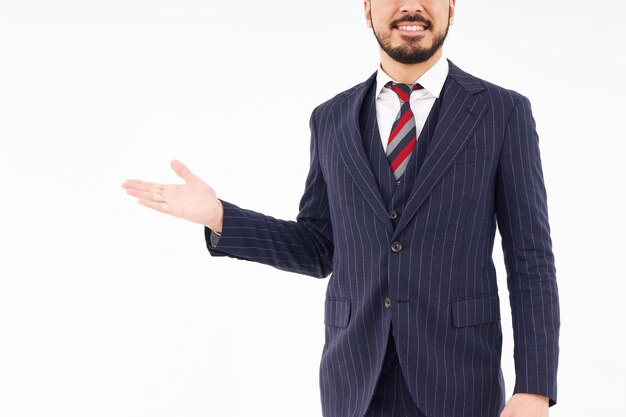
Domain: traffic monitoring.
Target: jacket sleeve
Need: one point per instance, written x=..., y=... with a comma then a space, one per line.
x=303, y=246
x=522, y=216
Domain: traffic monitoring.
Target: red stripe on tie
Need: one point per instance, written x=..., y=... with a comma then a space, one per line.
x=403, y=120
x=403, y=154
x=401, y=93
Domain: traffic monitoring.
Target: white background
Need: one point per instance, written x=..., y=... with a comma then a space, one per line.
x=109, y=308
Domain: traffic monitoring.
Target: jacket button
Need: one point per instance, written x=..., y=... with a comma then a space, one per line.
x=393, y=214
x=387, y=302
x=396, y=246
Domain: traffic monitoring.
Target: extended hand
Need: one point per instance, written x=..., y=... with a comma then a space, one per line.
x=526, y=405
x=195, y=201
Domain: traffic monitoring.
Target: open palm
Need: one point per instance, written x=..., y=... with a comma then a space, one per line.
x=195, y=200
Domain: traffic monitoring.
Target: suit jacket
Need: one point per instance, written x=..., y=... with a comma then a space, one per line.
x=430, y=269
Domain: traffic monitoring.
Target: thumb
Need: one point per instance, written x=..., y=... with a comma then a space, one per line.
x=182, y=170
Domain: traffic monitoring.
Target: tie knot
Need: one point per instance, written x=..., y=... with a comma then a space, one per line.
x=403, y=90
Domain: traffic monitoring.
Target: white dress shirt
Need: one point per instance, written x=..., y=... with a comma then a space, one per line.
x=388, y=103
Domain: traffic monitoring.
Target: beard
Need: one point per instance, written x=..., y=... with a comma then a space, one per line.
x=408, y=53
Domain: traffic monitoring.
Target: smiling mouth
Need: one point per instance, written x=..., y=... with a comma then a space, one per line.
x=411, y=29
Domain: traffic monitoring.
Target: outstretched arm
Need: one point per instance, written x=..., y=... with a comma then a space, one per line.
x=304, y=246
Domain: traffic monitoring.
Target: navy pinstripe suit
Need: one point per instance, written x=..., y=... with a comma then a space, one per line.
x=425, y=264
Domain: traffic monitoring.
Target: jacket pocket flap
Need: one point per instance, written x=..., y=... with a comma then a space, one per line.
x=476, y=310
x=337, y=312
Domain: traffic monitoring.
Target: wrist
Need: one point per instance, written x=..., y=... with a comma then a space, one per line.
x=214, y=222
x=220, y=218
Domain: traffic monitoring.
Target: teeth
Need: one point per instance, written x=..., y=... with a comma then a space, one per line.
x=411, y=27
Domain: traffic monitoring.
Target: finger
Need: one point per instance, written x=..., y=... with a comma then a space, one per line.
x=144, y=186
x=182, y=170
x=139, y=182
x=146, y=195
x=162, y=207
x=135, y=181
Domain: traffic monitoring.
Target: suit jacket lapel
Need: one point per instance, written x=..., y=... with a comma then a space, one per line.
x=461, y=111
x=346, y=122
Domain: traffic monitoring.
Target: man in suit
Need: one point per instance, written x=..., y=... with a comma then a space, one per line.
x=410, y=172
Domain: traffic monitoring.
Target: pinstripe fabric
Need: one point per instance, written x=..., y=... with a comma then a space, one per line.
x=391, y=397
x=482, y=170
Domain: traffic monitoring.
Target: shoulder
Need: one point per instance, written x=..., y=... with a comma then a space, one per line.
x=493, y=93
x=500, y=99
x=505, y=105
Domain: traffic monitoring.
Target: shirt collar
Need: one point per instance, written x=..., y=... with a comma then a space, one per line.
x=432, y=80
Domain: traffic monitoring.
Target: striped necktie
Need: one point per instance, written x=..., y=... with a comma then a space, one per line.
x=402, y=139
